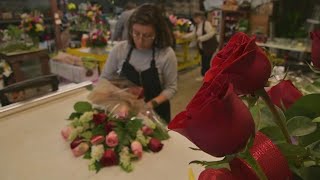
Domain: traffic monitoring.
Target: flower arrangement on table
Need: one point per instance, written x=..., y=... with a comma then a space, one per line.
x=33, y=25
x=98, y=38
x=113, y=136
x=180, y=24
x=262, y=133
x=86, y=17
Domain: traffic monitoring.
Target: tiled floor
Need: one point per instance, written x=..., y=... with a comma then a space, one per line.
x=187, y=87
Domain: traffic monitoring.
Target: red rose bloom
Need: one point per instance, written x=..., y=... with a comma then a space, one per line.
x=108, y=127
x=216, y=174
x=315, y=49
x=109, y=158
x=284, y=94
x=155, y=145
x=99, y=118
x=76, y=142
x=209, y=123
x=245, y=64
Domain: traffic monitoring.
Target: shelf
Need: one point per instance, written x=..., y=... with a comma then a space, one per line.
x=16, y=21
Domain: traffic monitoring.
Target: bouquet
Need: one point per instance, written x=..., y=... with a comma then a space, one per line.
x=107, y=136
x=33, y=26
x=98, y=38
x=262, y=132
x=180, y=24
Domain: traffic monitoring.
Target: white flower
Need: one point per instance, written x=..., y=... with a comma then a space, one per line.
x=92, y=166
x=142, y=139
x=75, y=132
x=97, y=152
x=86, y=117
x=125, y=159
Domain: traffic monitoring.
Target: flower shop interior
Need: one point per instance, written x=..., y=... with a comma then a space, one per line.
x=248, y=110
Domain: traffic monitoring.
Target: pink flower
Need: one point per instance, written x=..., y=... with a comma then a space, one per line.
x=109, y=158
x=155, y=145
x=66, y=131
x=97, y=139
x=80, y=149
x=147, y=130
x=136, y=148
x=112, y=139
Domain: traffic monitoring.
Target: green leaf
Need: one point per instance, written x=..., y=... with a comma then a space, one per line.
x=311, y=173
x=214, y=164
x=301, y=126
x=315, y=148
x=310, y=138
x=122, y=133
x=293, y=153
x=74, y=115
x=99, y=130
x=160, y=134
x=86, y=135
x=316, y=120
x=133, y=126
x=82, y=107
x=274, y=133
x=305, y=106
x=87, y=155
x=98, y=166
x=262, y=116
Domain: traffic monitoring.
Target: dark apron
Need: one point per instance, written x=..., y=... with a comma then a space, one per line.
x=149, y=80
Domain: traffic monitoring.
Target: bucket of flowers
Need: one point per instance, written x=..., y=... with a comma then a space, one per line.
x=33, y=26
x=262, y=131
x=98, y=40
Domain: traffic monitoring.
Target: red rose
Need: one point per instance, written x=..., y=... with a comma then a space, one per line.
x=315, y=49
x=209, y=123
x=76, y=142
x=109, y=158
x=108, y=127
x=245, y=64
x=284, y=94
x=155, y=145
x=99, y=118
x=216, y=174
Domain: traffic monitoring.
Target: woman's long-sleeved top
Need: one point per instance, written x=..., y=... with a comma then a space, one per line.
x=166, y=63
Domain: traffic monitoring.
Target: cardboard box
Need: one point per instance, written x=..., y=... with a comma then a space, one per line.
x=73, y=73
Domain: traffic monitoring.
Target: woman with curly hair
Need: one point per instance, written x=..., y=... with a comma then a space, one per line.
x=147, y=58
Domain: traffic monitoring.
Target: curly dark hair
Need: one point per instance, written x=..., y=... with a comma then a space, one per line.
x=150, y=14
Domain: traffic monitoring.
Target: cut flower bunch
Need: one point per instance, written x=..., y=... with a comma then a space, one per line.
x=262, y=132
x=33, y=25
x=108, y=139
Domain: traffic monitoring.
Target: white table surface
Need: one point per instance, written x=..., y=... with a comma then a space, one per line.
x=33, y=148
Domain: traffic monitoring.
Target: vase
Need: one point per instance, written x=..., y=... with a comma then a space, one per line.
x=35, y=41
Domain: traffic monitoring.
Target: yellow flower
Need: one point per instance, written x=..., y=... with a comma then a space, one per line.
x=71, y=6
x=90, y=14
x=39, y=27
